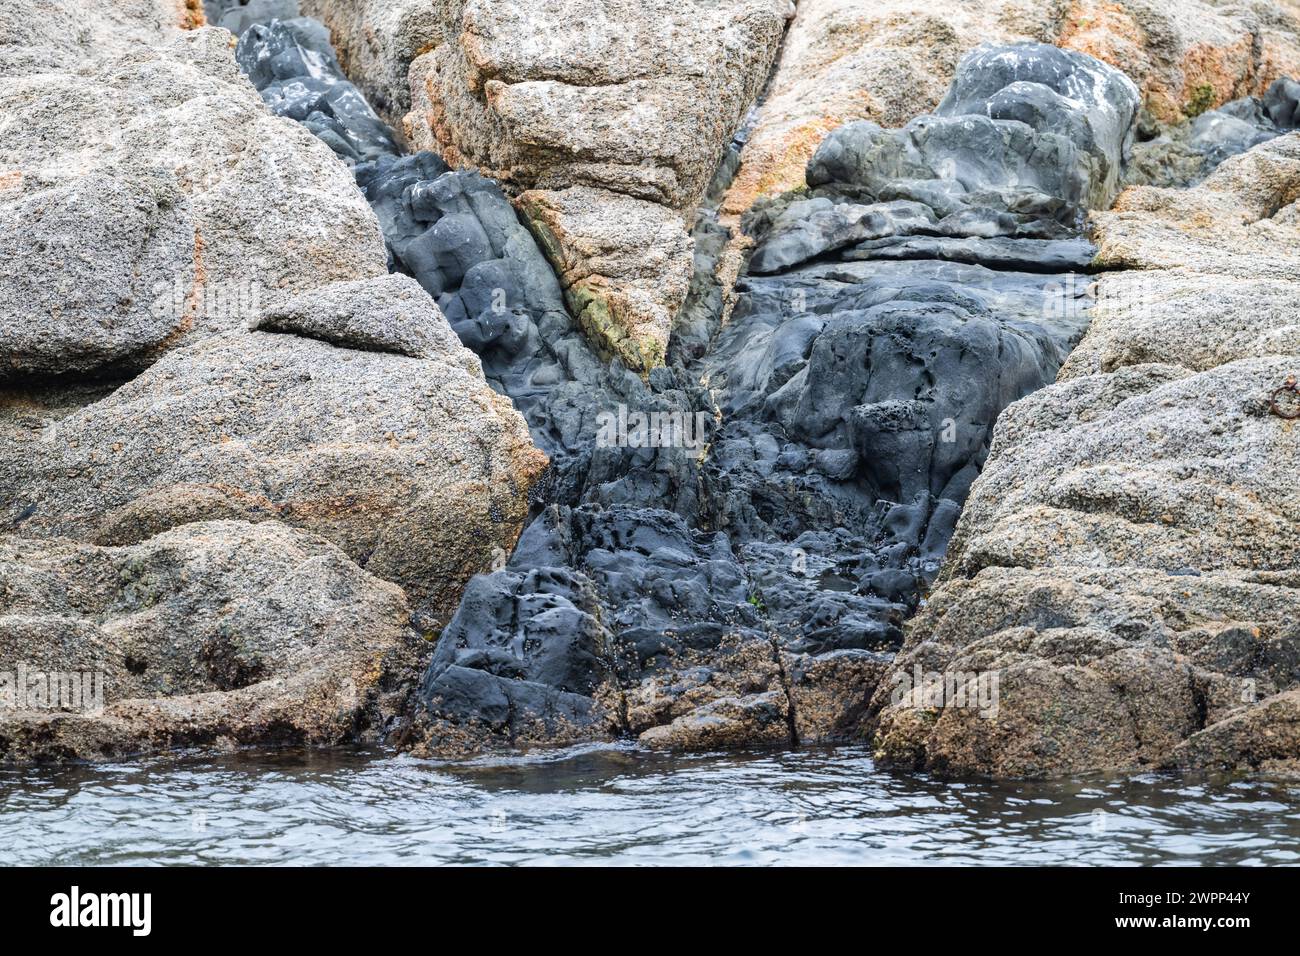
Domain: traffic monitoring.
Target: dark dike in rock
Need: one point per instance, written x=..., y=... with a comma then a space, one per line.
x=922, y=283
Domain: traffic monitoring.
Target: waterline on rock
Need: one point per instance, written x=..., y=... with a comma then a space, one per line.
x=621, y=805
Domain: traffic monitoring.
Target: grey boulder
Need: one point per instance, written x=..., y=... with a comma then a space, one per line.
x=217, y=633
x=149, y=199
x=412, y=465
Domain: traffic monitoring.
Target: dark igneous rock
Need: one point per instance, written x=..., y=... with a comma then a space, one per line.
x=862, y=396
x=693, y=592
x=460, y=237
x=1028, y=137
x=885, y=324
x=293, y=66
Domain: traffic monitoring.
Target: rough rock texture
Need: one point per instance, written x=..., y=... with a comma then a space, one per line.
x=1191, y=55
x=1099, y=668
x=392, y=314
x=886, y=62
x=457, y=234
x=1241, y=222
x=625, y=265
x=218, y=632
x=1185, y=154
x=639, y=98
x=199, y=329
x=745, y=589
x=889, y=61
x=1159, y=317
x=293, y=66
x=148, y=199
x=725, y=722
x=1026, y=139
x=1127, y=558
x=376, y=40
x=632, y=100
x=60, y=34
x=1263, y=738
x=742, y=587
x=412, y=466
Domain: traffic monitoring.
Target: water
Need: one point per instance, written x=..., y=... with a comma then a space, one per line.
x=621, y=805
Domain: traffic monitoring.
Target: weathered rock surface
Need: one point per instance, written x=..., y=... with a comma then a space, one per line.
x=625, y=265
x=860, y=395
x=147, y=199
x=376, y=41
x=215, y=633
x=292, y=64
x=1027, y=138
x=119, y=240
x=634, y=97
x=1263, y=738
x=61, y=34
x=725, y=722
x=890, y=61
x=745, y=595
x=412, y=466
x=771, y=571
x=1154, y=469
x=1129, y=548
x=1159, y=317
x=458, y=235
x=324, y=411
x=1240, y=222
x=1188, y=56
x=392, y=314
x=1098, y=668
x=634, y=103
x=844, y=61
x=1185, y=154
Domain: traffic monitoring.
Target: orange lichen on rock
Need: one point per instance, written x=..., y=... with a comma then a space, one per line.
x=192, y=15
x=1213, y=75
x=1189, y=59
x=781, y=169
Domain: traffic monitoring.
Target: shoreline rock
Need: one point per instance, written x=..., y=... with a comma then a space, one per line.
x=151, y=201
x=770, y=565
x=349, y=431
x=764, y=415
x=892, y=61
x=211, y=634
x=1128, y=552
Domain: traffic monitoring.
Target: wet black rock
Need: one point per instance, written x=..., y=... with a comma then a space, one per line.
x=593, y=602
x=1281, y=103
x=1028, y=137
x=525, y=657
x=863, y=395
x=459, y=236
x=1000, y=252
x=1025, y=129
x=890, y=315
x=922, y=283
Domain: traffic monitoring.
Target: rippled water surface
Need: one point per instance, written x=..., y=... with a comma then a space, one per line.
x=621, y=805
